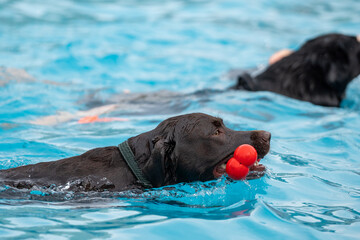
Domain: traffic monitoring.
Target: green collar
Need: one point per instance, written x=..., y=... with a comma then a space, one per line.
x=129, y=157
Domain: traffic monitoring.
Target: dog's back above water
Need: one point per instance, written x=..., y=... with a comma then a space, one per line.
x=185, y=148
x=318, y=72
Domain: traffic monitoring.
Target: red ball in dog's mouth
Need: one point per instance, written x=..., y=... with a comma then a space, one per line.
x=244, y=163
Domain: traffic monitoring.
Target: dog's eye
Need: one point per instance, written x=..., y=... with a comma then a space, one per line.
x=217, y=132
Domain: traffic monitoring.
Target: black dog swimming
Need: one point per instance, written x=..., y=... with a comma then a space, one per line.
x=185, y=148
x=318, y=72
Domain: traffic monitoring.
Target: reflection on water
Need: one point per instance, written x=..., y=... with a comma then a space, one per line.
x=90, y=212
x=322, y=218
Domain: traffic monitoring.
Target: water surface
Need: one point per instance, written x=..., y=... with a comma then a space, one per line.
x=64, y=53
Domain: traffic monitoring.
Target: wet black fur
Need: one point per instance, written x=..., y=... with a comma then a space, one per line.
x=318, y=72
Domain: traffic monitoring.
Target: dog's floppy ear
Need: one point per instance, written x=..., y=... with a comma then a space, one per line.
x=344, y=69
x=160, y=167
x=340, y=64
x=338, y=77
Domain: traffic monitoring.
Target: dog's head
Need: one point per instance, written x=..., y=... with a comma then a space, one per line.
x=337, y=55
x=318, y=72
x=196, y=147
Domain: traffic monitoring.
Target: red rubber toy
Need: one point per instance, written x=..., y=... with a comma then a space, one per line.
x=238, y=166
x=246, y=154
x=236, y=170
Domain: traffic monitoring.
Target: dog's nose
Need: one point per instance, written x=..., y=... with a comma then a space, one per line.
x=266, y=136
x=261, y=142
x=262, y=136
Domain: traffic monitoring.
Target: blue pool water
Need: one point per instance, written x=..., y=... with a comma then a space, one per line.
x=54, y=57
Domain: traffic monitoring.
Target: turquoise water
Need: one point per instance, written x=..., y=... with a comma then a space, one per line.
x=71, y=50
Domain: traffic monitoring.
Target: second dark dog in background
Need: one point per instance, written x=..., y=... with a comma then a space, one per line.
x=318, y=72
